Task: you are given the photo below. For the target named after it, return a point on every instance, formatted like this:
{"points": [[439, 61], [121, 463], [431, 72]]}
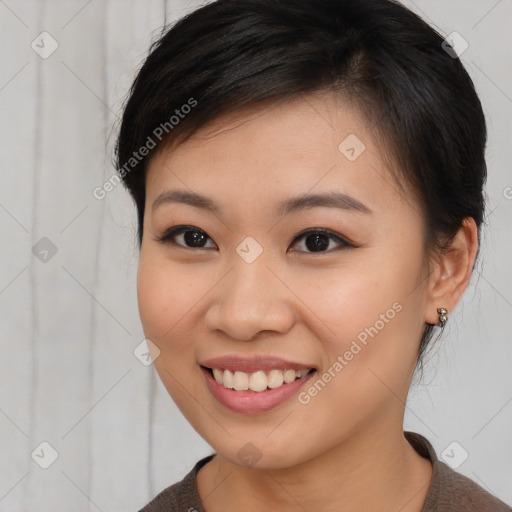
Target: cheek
{"points": [[368, 312], [155, 299], [371, 331], [165, 294], [350, 299]]}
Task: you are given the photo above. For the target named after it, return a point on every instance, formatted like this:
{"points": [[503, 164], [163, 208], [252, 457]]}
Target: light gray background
{"points": [[69, 325]]}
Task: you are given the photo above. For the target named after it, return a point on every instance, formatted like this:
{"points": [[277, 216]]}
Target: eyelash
{"points": [[167, 238]]}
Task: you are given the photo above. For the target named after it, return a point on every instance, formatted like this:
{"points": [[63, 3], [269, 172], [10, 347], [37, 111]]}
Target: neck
{"points": [[375, 470]]}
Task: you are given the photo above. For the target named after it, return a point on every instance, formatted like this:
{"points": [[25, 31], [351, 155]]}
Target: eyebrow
{"points": [[185, 197], [330, 199]]}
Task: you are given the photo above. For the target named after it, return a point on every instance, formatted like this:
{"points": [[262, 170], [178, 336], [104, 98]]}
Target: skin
{"points": [[345, 449]]}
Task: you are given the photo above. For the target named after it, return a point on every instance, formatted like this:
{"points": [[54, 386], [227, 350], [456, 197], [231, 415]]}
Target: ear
{"points": [[451, 271]]}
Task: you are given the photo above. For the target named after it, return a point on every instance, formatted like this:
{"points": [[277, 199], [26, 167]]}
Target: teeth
{"points": [[289, 376], [241, 381], [275, 379], [218, 375], [227, 379], [257, 381]]}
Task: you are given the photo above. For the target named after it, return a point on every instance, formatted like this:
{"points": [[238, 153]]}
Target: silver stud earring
{"points": [[442, 317]]}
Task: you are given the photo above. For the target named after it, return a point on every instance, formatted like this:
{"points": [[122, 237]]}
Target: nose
{"points": [[252, 299]]}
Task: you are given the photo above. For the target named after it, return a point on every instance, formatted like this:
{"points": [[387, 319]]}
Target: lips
{"points": [[248, 401]]}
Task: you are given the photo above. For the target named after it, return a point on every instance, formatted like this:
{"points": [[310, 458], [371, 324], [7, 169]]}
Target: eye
{"points": [[319, 240], [312, 240], [186, 236]]}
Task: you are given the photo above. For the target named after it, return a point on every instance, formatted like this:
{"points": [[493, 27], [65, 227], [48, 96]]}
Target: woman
{"points": [[308, 178]]}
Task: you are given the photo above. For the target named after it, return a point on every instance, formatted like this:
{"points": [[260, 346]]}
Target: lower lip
{"points": [[252, 402]]}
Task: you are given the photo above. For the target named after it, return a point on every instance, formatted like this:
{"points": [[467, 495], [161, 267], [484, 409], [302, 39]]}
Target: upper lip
{"points": [[253, 364]]}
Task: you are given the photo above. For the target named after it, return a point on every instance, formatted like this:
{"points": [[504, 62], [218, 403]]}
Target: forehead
{"points": [[305, 124], [279, 149]]}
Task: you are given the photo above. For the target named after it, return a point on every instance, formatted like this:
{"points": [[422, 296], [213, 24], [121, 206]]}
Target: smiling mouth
{"points": [[258, 381]]}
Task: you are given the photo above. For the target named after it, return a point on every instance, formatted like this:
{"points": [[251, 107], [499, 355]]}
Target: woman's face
{"points": [[241, 286]]}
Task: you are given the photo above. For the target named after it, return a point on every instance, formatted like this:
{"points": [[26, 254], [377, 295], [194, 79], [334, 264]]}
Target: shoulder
{"points": [[450, 491], [181, 496]]}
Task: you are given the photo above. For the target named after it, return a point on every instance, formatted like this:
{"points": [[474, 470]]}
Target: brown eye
{"points": [[320, 240], [186, 236], [311, 241]]}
